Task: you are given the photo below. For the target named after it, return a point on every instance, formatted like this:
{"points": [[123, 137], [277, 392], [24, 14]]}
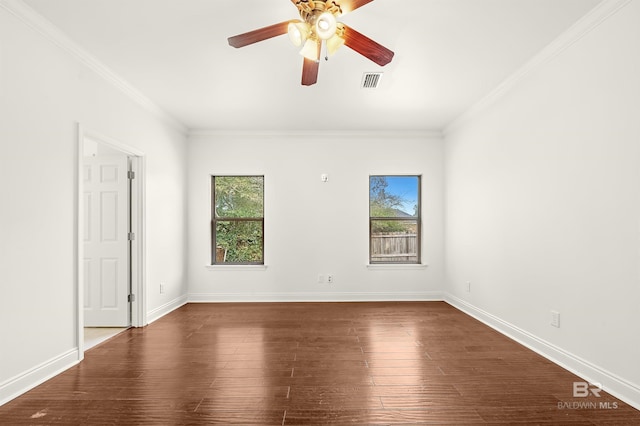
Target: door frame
{"points": [[137, 252]]}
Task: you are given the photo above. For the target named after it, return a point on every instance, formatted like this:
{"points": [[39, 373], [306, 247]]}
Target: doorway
{"points": [[110, 236], [106, 236]]}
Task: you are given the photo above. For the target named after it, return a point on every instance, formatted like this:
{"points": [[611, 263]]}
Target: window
{"points": [[237, 220], [394, 219]]}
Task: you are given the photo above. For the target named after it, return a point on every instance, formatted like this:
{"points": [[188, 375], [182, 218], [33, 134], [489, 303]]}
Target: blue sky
{"points": [[407, 188]]}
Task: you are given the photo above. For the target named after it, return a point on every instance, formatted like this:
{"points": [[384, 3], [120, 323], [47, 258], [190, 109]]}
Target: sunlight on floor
{"points": [[95, 335]]}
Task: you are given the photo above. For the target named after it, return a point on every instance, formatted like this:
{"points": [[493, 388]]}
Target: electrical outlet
{"points": [[320, 279], [555, 319], [329, 278], [468, 287], [162, 288]]}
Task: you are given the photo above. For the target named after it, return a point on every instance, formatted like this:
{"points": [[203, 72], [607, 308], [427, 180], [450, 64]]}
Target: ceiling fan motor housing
{"points": [[310, 10]]}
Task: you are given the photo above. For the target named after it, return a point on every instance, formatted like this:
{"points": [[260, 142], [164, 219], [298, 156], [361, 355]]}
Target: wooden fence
{"points": [[394, 247]]}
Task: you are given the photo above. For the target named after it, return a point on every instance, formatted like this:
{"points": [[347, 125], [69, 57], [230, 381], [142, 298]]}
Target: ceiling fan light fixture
{"points": [[311, 50], [333, 44], [298, 32], [326, 25], [318, 25]]}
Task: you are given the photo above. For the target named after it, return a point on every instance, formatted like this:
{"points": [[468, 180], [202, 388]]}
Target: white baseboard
{"points": [[160, 311], [315, 297], [37, 375], [614, 385]]}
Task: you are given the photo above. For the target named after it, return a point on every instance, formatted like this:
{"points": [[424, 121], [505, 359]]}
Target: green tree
{"points": [[240, 197], [382, 204]]}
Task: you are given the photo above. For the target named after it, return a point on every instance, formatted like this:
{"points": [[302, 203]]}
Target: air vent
{"points": [[371, 80]]}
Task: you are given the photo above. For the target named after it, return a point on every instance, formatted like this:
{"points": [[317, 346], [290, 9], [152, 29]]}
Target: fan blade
{"points": [[310, 72], [351, 5], [310, 66], [261, 34], [367, 47]]}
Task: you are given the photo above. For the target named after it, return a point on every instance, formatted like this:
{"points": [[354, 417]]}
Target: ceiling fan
{"points": [[319, 27]]}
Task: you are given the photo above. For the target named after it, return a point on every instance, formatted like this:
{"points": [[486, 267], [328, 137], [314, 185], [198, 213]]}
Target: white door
{"points": [[106, 241]]}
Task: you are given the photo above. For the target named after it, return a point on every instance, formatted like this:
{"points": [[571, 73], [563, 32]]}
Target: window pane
{"points": [[239, 241], [239, 196], [394, 241], [393, 196]]}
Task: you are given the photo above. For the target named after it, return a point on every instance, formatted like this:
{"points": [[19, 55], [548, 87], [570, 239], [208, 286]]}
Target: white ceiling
{"points": [[449, 54]]}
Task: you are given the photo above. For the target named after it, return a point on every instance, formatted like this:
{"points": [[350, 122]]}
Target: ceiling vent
{"points": [[371, 80]]}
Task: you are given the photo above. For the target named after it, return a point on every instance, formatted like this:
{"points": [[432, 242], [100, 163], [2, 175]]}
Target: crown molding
{"points": [[38, 23], [577, 31], [293, 134]]}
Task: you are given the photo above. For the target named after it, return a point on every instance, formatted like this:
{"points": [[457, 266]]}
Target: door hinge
{"points": [[131, 174], [131, 236], [131, 298]]}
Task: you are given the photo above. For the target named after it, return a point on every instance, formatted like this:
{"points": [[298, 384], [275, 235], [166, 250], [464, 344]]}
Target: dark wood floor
{"points": [[313, 363]]}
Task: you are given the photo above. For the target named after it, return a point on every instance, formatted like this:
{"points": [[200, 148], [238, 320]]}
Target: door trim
{"points": [[138, 250]]}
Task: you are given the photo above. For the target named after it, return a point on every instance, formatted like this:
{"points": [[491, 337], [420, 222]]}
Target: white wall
{"points": [[543, 206], [313, 227], [44, 93]]}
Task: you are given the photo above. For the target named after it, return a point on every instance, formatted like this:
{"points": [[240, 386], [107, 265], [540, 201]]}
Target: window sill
{"points": [[394, 267], [236, 267]]}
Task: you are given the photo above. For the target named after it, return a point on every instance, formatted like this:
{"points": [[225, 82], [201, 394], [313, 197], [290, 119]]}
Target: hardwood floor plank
{"points": [[265, 364], [425, 390], [454, 416], [313, 363], [265, 347], [242, 416], [411, 380], [323, 398], [330, 364], [398, 363], [223, 391], [250, 382], [419, 370], [240, 403], [339, 381], [268, 357], [253, 373]]}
